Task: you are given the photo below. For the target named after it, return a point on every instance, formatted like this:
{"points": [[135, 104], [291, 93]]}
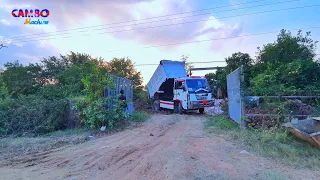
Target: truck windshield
{"points": [[198, 86]]}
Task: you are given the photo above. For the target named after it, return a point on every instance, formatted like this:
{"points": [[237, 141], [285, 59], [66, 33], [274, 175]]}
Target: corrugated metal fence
{"points": [[113, 93], [235, 100]]}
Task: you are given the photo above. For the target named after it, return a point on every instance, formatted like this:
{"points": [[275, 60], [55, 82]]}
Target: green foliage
{"points": [[238, 59], [52, 66], [95, 83], [31, 114], [53, 92], [139, 117], [142, 96], [282, 80], [220, 122], [20, 79], [31, 93], [94, 112], [124, 67], [284, 67], [288, 48], [233, 62], [211, 77], [4, 93], [274, 143]]}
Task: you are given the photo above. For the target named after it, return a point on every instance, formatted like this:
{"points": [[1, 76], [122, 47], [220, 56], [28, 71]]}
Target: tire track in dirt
{"points": [[178, 148]]}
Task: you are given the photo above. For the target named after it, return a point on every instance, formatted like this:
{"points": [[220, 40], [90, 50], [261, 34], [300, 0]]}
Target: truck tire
{"points": [[201, 110], [156, 105], [178, 108]]}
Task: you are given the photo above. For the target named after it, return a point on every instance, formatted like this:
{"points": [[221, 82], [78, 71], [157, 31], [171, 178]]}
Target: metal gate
{"points": [[235, 100], [113, 93]]}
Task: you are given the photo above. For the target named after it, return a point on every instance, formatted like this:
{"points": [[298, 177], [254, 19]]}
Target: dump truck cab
{"points": [[171, 88], [197, 92]]}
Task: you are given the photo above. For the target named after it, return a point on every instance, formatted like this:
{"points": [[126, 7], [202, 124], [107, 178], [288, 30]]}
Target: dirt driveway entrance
{"points": [[166, 147]]}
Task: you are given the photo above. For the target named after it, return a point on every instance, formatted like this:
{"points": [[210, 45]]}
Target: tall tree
{"points": [[124, 67], [238, 59], [188, 65], [286, 65], [21, 79], [233, 62], [288, 48]]}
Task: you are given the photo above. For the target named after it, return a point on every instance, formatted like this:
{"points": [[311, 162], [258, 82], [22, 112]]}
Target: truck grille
{"points": [[201, 96]]}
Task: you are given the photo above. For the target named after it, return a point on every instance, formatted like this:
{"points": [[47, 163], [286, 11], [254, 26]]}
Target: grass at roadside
{"points": [[277, 144], [139, 117], [12, 147]]}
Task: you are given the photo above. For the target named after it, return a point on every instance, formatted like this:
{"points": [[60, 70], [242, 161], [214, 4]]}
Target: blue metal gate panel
{"points": [[113, 93], [234, 95]]}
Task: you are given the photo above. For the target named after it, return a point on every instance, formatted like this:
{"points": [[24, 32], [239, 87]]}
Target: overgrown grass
{"points": [[277, 144], [139, 117], [274, 175], [14, 147], [69, 132]]}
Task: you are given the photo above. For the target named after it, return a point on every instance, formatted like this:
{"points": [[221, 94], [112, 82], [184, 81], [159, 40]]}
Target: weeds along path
{"points": [[166, 147]]}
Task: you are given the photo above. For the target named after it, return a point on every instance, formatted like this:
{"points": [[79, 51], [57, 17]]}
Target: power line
{"points": [[188, 62], [147, 18], [26, 37], [215, 39], [189, 22]]}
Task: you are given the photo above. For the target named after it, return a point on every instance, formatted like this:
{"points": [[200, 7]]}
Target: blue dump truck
{"points": [[171, 88]]}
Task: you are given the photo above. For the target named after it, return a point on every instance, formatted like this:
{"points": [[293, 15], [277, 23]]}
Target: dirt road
{"points": [[166, 147]]}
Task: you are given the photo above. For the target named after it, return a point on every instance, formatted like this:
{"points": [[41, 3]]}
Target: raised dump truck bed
{"points": [[167, 69]]}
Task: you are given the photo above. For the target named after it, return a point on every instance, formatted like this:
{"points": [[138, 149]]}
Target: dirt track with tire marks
{"points": [[166, 147]]}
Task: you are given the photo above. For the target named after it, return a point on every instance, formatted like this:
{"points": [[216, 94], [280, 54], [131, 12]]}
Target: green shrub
{"points": [[52, 92], [31, 114], [139, 117], [94, 114]]}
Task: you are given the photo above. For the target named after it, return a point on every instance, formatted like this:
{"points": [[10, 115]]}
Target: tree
{"points": [[52, 66], [188, 65], [211, 77], [21, 79], [69, 69], [288, 48], [286, 65], [233, 62], [238, 59], [124, 67]]}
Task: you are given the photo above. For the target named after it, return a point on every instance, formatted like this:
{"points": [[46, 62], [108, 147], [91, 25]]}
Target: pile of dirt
{"points": [[216, 109], [141, 106]]}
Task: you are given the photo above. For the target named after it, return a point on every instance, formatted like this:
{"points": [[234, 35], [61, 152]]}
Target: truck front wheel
{"points": [[201, 110], [178, 108]]}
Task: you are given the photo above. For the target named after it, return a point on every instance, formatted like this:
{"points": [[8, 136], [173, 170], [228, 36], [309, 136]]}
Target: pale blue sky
{"points": [[75, 14]]}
